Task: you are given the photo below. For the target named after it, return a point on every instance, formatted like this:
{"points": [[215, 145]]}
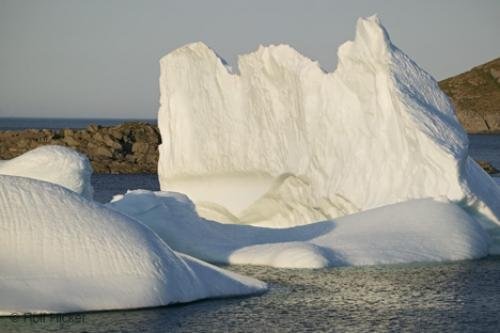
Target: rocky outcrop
{"points": [[488, 167], [126, 148], [476, 96]]}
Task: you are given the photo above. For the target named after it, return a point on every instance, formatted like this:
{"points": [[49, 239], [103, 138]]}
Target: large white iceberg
{"points": [[62, 253], [284, 143], [54, 164], [422, 230]]}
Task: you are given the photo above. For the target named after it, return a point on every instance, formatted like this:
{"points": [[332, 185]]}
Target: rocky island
{"points": [[126, 148]]}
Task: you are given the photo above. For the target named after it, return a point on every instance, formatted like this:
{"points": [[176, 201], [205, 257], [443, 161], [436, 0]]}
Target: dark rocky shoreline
{"points": [[126, 148]]}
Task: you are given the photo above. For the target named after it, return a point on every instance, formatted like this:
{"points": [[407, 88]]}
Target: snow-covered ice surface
{"points": [[283, 143], [54, 164], [414, 231], [63, 253]]}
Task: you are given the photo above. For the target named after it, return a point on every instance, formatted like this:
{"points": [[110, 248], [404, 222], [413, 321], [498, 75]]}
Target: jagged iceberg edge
{"points": [[284, 143], [62, 253], [423, 230], [54, 164]]}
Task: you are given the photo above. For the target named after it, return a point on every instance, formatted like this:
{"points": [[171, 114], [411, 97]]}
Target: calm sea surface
{"points": [[58, 123], [447, 297], [485, 147]]}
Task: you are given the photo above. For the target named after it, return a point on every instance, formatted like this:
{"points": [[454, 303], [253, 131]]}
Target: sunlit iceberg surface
{"points": [[283, 143]]}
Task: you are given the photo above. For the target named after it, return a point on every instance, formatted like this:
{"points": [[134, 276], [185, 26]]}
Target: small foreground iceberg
{"points": [[54, 164], [283, 143], [422, 230], [62, 253]]}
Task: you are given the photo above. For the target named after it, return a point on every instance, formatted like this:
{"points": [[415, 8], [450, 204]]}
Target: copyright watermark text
{"points": [[53, 318]]}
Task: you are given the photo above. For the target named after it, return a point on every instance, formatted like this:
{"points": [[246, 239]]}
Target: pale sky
{"points": [[99, 58]]}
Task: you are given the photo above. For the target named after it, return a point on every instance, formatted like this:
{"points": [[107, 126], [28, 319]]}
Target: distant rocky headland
{"points": [[476, 97], [126, 148]]}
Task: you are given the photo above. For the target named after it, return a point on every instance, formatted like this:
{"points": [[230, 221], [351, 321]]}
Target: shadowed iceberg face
{"points": [[284, 143], [413, 231]]}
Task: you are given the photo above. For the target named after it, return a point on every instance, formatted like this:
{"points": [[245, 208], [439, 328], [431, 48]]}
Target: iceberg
{"points": [[283, 143], [54, 164], [63, 253], [421, 230]]}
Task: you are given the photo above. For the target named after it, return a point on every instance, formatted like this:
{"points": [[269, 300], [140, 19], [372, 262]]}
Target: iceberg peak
{"points": [[371, 43], [198, 50], [371, 33]]}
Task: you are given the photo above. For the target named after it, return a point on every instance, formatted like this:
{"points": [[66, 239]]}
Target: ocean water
{"points": [[485, 147], [58, 123], [106, 186]]}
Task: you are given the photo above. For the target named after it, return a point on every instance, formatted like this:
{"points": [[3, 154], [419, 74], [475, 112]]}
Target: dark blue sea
{"points": [[441, 297], [58, 123]]}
